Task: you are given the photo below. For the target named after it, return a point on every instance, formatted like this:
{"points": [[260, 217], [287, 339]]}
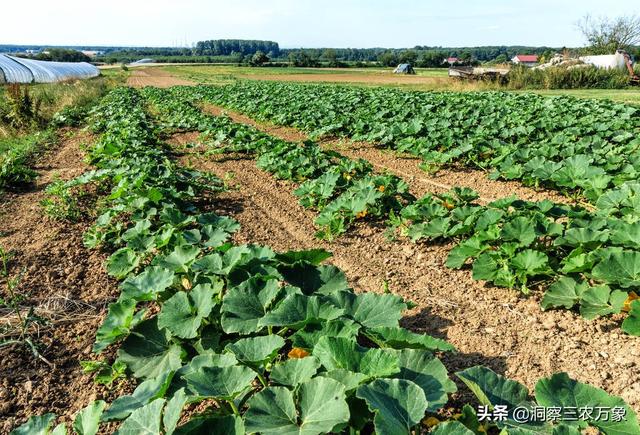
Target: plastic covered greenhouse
{"points": [[18, 70]]}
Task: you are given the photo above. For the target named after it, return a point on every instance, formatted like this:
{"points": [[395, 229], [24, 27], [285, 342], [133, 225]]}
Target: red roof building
{"points": [[526, 59]]}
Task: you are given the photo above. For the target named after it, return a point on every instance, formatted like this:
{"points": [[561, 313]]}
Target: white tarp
{"points": [[607, 61]]}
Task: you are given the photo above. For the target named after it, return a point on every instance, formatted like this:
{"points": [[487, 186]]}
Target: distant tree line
{"points": [[422, 56], [224, 47], [59, 55]]}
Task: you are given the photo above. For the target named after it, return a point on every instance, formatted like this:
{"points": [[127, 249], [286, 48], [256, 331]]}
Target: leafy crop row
{"points": [[585, 259], [590, 260], [579, 147], [263, 342], [340, 189]]}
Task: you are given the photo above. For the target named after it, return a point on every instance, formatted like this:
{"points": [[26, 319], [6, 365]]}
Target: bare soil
{"points": [[492, 326], [65, 284], [141, 77]]}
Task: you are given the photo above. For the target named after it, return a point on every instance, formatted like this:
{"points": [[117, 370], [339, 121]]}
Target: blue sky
{"points": [[295, 23]]}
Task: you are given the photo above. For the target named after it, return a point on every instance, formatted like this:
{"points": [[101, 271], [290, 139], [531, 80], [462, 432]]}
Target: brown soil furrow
{"points": [[488, 325], [405, 167], [68, 287], [154, 76]]}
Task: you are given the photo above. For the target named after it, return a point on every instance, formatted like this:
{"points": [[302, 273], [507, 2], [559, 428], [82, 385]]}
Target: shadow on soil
{"points": [[426, 322]]}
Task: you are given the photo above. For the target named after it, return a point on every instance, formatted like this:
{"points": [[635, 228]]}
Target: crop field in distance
{"points": [[426, 79]]}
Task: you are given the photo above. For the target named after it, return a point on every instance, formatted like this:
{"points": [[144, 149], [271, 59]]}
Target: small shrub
{"points": [[61, 203], [23, 110]]}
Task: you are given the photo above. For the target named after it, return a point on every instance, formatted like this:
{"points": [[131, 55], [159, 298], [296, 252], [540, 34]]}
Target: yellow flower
{"points": [[186, 283], [381, 188], [361, 214], [297, 353], [430, 421], [627, 304]]}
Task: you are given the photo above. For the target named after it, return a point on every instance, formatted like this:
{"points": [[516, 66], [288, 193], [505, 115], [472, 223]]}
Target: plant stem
{"points": [[262, 380], [233, 407]]}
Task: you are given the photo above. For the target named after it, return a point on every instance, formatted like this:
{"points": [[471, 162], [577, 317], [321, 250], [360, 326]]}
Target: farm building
{"points": [[451, 60], [525, 59], [404, 68], [18, 70]]}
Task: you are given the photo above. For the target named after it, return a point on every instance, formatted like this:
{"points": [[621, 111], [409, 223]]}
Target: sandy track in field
{"points": [[68, 286], [488, 325], [406, 167], [141, 77]]}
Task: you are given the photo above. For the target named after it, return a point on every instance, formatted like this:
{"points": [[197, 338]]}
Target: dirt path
{"points": [[141, 77], [406, 167], [67, 285], [488, 325]]}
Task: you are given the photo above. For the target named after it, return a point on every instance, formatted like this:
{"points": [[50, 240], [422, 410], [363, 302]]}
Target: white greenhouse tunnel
{"points": [[18, 70]]}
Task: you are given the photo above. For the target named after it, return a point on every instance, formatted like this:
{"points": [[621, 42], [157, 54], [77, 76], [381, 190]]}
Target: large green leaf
{"points": [[601, 301], [621, 268], [179, 260], [371, 309], [349, 379], [343, 353], [315, 279], [207, 359], [308, 337], [317, 407], [220, 382], [294, 371], [149, 351], [530, 262], [256, 350], [146, 286], [36, 425], [451, 428], [297, 310], [626, 234], [144, 393], [87, 420], [143, 421], [121, 262], [398, 404], [173, 410], [561, 391], [227, 425], [243, 306], [631, 324], [312, 256], [493, 389], [566, 292], [520, 229], [426, 371], [400, 338], [460, 254], [183, 313], [120, 319]]}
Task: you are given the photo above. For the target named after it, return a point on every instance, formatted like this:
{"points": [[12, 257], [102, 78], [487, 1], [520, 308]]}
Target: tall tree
{"points": [[605, 35]]}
